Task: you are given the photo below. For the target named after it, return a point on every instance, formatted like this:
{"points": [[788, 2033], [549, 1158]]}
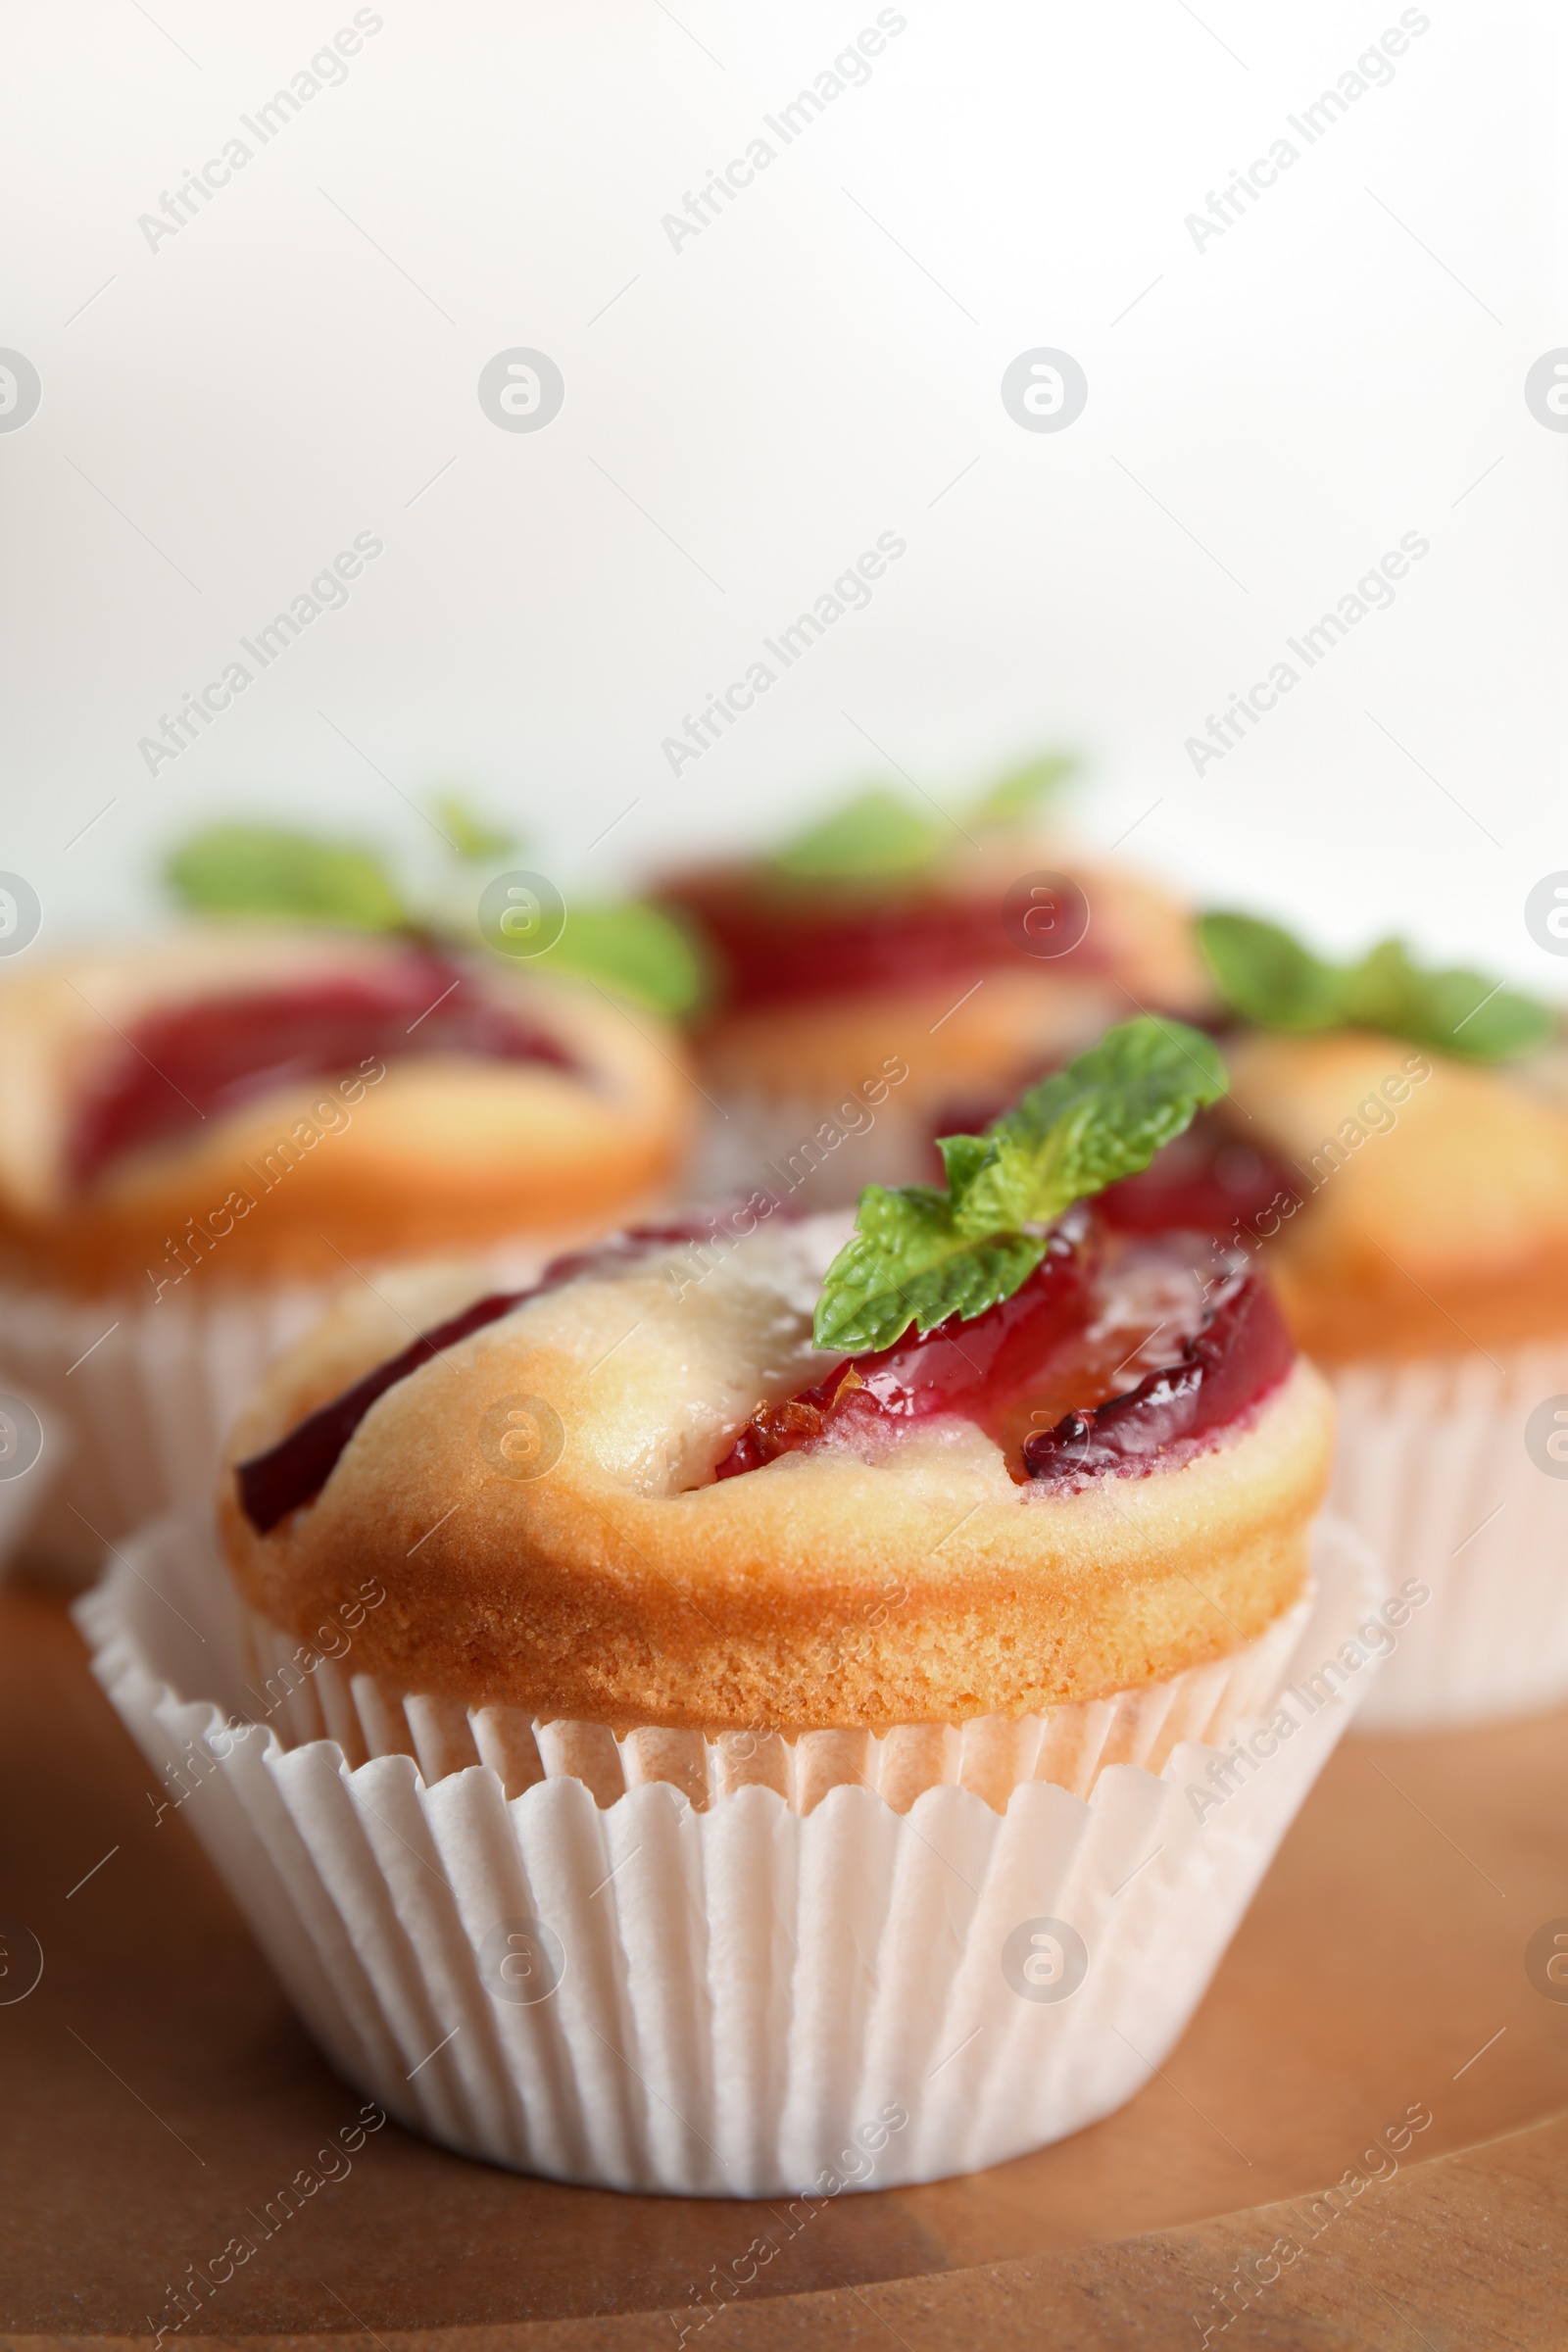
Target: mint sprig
{"points": [[1271, 979], [266, 872], [879, 838], [1021, 793], [638, 951], [919, 1254], [873, 837], [474, 838]]}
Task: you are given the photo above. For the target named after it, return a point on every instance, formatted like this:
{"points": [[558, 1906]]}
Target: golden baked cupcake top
{"points": [[247, 1099], [1406, 1135], [979, 1456], [337, 1064]]}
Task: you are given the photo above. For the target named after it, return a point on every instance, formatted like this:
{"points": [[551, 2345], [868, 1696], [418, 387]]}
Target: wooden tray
{"points": [[154, 2091]]}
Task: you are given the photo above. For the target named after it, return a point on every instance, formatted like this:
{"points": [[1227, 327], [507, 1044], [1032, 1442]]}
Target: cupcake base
{"points": [[742, 1998], [1433, 1468], [1069, 1746]]}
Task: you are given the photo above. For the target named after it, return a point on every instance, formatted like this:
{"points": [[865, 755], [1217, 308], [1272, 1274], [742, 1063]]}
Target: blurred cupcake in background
{"points": [[896, 962], [209, 1131], [1396, 1140]]}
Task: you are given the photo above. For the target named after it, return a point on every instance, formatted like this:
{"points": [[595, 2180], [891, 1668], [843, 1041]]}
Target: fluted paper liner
{"points": [[147, 1391], [1432, 1468], [1070, 1745], [737, 1999], [144, 1393], [23, 1494]]}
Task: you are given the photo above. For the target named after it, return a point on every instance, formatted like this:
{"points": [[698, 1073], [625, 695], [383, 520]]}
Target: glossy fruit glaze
{"points": [[1240, 1352], [1118, 1354], [1209, 1180], [183, 1064], [780, 946]]}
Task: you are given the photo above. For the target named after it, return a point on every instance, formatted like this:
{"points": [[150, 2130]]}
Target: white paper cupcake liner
{"points": [[27, 1477], [739, 2000], [1433, 1469], [144, 1395], [146, 1392]]}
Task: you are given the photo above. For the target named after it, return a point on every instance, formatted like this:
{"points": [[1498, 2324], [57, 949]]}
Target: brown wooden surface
{"points": [[154, 2088]]}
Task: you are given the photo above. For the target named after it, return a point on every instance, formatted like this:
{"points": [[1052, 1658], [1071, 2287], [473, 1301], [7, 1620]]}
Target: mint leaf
{"points": [[908, 1263], [876, 838], [634, 949], [265, 872], [476, 843], [1021, 793], [1496, 1028], [962, 1157], [919, 1254], [1103, 1116], [1269, 978], [1454, 1011]]}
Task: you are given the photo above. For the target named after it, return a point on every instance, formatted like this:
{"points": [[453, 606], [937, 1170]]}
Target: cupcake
{"points": [[774, 1705], [208, 1132], [891, 964], [1401, 1140]]}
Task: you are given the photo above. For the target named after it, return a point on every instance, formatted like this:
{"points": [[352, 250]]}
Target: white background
{"points": [[820, 364]]}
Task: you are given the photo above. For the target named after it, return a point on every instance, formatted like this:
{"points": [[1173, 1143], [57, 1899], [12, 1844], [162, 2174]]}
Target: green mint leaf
{"points": [[1269, 977], [962, 1158], [1003, 1193], [918, 1255], [1103, 1116], [476, 842], [1023, 790], [876, 838], [634, 949], [908, 1263], [1454, 1011], [266, 872], [1500, 1028]]}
